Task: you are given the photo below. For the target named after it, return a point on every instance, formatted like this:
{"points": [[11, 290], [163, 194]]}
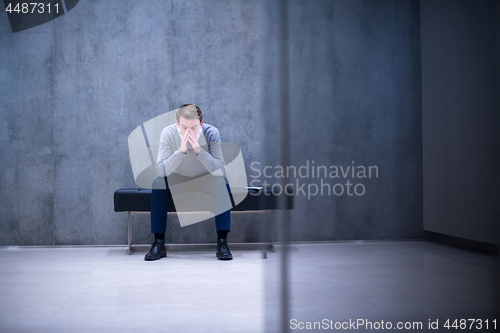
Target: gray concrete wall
{"points": [[460, 75], [73, 89], [355, 95]]}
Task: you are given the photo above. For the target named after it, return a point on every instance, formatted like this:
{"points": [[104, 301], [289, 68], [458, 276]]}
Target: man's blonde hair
{"points": [[189, 111]]}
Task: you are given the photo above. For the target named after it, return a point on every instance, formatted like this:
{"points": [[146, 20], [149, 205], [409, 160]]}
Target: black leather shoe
{"points": [[223, 252], [157, 251]]}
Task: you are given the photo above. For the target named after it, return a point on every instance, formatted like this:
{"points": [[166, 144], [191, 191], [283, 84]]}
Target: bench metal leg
{"points": [[129, 222], [272, 232], [271, 242]]}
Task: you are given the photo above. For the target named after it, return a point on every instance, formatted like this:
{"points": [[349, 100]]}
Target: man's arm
{"points": [[168, 160], [214, 162]]}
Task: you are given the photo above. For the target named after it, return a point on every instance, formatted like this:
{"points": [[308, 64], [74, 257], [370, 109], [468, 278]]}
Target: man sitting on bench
{"points": [[181, 159]]}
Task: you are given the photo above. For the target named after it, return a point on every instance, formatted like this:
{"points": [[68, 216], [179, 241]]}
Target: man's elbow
{"points": [[158, 174], [160, 171], [219, 165]]}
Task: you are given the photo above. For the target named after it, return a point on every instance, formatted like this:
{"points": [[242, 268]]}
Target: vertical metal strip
{"points": [[284, 159]]}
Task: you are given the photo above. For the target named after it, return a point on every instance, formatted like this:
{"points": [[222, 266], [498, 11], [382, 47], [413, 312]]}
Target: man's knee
{"points": [[159, 184]]}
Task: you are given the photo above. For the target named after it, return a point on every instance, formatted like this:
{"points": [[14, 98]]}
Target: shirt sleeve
{"points": [[213, 161], [168, 159]]}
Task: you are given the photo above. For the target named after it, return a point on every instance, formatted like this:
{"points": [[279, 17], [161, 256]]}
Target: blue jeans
{"points": [[159, 207]]}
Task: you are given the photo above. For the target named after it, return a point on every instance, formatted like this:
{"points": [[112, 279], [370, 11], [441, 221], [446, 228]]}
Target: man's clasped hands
{"points": [[190, 137]]}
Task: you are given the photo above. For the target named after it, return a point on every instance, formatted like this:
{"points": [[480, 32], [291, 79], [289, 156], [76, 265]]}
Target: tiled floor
{"points": [[101, 289]]}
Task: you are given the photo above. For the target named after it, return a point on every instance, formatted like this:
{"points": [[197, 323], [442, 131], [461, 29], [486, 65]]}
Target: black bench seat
{"points": [[138, 200]]}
